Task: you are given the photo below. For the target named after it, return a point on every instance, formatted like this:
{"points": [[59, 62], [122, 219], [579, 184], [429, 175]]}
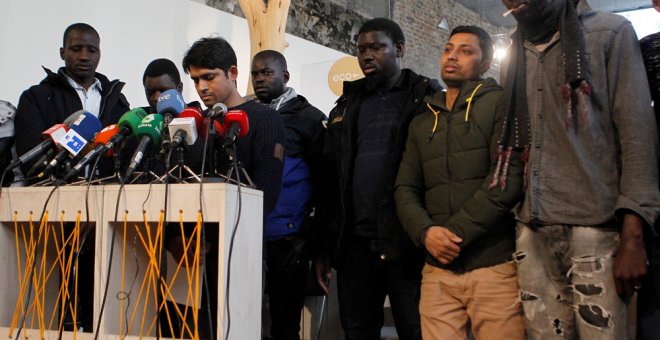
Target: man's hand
{"points": [[630, 262], [323, 273], [442, 244], [176, 247]]}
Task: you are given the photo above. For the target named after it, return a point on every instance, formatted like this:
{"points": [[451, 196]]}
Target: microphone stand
{"points": [[52, 179], [232, 158], [211, 150], [181, 167], [149, 163], [116, 174]]}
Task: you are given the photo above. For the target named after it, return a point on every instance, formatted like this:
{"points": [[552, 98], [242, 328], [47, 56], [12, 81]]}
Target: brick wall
{"points": [[334, 23]]}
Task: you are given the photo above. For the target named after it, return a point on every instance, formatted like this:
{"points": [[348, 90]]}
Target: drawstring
{"points": [[277, 108], [435, 124], [467, 113], [469, 102]]}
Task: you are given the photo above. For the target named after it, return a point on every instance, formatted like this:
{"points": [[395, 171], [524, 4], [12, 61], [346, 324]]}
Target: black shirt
{"points": [[376, 127]]}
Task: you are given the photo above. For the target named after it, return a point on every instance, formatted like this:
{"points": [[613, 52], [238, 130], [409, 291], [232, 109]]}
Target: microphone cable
{"points": [[162, 255], [205, 282], [2, 180], [233, 236], [112, 249]]}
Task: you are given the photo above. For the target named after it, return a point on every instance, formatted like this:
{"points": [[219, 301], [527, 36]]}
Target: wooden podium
{"points": [[139, 205]]}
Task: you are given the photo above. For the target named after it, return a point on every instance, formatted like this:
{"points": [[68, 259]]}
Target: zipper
{"points": [[447, 150], [105, 99]]}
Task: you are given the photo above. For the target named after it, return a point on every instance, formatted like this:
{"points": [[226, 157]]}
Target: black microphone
{"points": [[217, 110]]}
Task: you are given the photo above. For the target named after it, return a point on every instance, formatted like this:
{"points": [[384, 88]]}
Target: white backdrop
{"points": [[134, 32]]}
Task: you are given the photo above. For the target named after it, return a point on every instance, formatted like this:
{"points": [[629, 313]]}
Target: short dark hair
{"points": [[389, 27], [272, 55], [211, 52], [162, 66], [82, 27], [485, 42]]}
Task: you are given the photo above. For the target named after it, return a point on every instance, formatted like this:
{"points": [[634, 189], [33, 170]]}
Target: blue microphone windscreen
{"points": [[170, 102], [86, 125]]}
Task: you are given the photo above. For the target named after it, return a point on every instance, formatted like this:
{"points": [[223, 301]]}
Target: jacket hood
{"points": [[294, 106], [284, 98], [470, 89]]}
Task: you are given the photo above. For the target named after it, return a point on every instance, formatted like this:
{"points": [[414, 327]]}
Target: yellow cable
{"points": [[76, 230], [147, 279], [42, 289], [14, 318], [60, 292], [142, 285], [197, 257], [69, 264]]}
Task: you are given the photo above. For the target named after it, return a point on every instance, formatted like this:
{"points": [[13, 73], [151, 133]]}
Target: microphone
{"points": [[149, 129], [83, 128], [127, 125], [218, 109], [169, 105], [236, 124], [103, 141], [52, 136], [186, 127]]}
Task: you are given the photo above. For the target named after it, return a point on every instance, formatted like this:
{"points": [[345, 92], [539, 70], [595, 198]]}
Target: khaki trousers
{"points": [[485, 298]]}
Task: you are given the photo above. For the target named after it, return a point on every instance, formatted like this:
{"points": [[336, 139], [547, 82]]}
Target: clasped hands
{"points": [[442, 244]]}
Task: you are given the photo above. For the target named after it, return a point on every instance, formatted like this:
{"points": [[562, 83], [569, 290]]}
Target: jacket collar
{"points": [[60, 78], [361, 85], [470, 89]]}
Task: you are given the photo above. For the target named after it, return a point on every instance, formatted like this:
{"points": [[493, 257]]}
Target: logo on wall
{"points": [[344, 69]]}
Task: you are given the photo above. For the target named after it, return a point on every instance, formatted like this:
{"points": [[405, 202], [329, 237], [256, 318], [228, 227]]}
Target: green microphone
{"points": [[129, 122], [149, 131]]}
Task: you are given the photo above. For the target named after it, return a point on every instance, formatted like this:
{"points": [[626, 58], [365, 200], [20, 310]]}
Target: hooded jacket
{"points": [[446, 171], [302, 178]]}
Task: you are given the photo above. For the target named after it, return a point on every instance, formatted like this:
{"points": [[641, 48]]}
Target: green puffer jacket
{"points": [[446, 171]]}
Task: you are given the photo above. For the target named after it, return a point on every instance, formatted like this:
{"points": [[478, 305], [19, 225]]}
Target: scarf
{"points": [[516, 133]]}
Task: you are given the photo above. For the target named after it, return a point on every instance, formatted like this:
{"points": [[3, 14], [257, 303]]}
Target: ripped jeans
{"points": [[566, 282]]}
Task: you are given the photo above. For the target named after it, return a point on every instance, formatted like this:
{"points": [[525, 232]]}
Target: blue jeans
{"points": [[567, 284], [363, 281]]}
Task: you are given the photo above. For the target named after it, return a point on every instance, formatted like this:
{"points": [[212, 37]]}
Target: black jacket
{"points": [[340, 146], [53, 100]]}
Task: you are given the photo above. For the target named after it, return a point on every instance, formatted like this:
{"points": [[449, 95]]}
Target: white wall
{"points": [[132, 34]]}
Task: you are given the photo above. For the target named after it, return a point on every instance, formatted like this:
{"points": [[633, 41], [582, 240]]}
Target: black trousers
{"points": [[285, 286], [363, 281], [648, 314]]}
